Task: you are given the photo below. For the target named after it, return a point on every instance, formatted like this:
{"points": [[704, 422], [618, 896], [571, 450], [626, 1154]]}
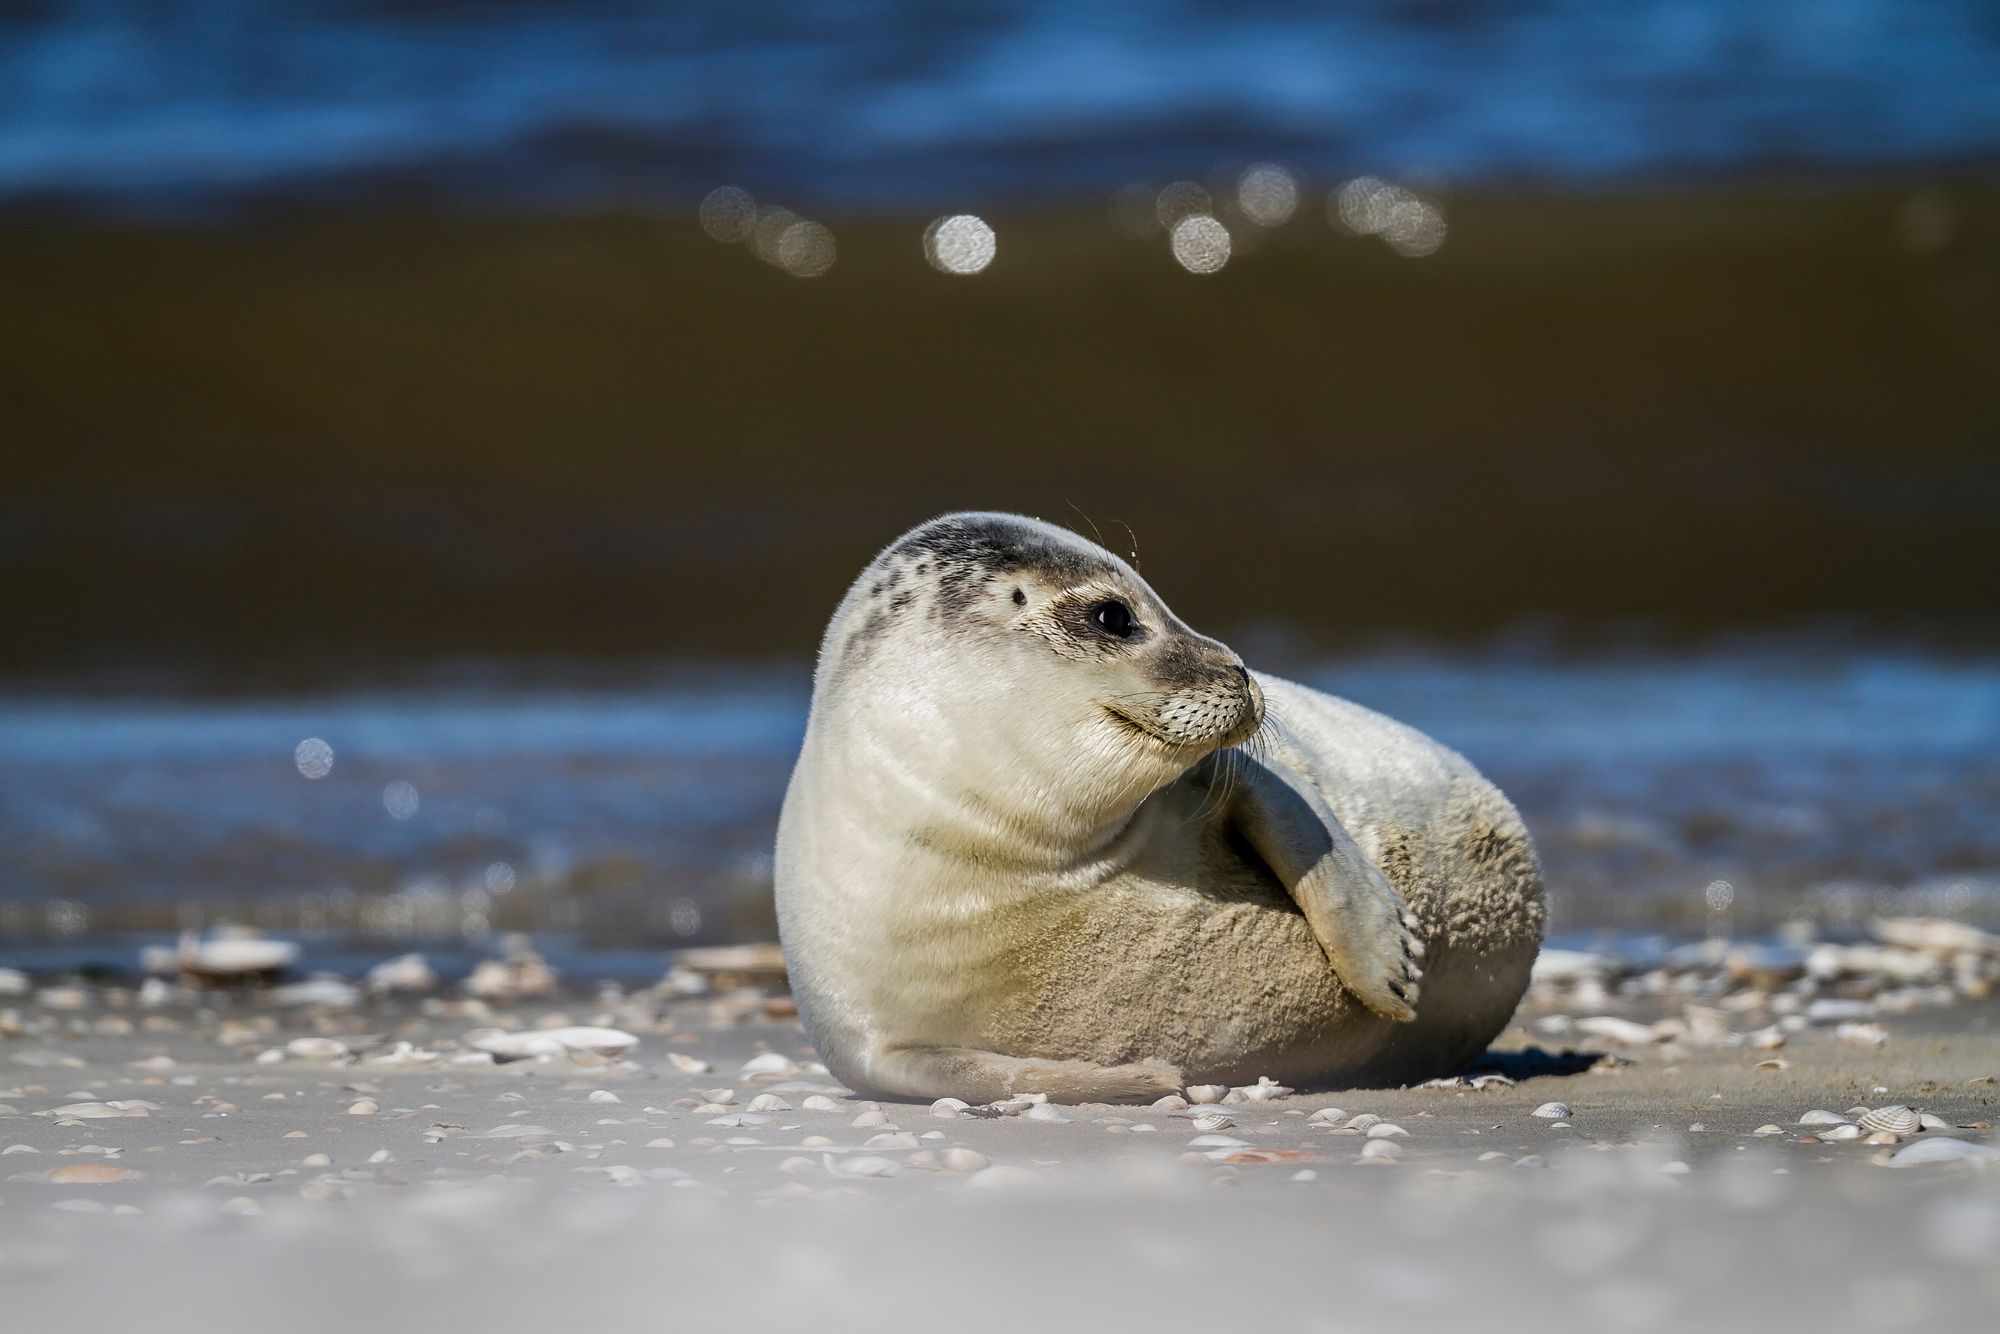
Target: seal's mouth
{"points": [[1200, 720]]}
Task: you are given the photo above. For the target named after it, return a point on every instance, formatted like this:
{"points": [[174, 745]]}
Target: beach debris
{"points": [[403, 974], [13, 982], [724, 967], [1207, 1093], [1862, 1035], [1896, 1119], [324, 990], [1611, 1028], [593, 1041], [688, 1065], [1936, 935], [316, 1049], [1264, 1090], [1553, 1111], [94, 1110], [519, 974]]}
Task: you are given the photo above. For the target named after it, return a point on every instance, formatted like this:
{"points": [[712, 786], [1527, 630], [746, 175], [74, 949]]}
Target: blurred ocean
{"points": [[833, 103], [1724, 790]]}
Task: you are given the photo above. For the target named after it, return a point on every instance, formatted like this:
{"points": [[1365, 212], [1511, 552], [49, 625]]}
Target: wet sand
{"points": [[445, 1186]]}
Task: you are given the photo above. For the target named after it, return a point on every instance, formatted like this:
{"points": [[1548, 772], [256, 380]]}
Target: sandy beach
{"points": [[1639, 1161]]}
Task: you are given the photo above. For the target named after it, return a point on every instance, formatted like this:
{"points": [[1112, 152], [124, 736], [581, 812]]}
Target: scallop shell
{"points": [[1207, 1092], [1327, 1116], [1896, 1119], [1386, 1130], [1819, 1117], [819, 1102], [1363, 1120], [1213, 1121], [949, 1108], [1553, 1111], [768, 1102]]}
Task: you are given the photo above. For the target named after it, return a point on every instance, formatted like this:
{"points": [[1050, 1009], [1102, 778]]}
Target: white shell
{"points": [[819, 1102], [603, 1095], [556, 1042], [949, 1108], [1844, 1131], [1553, 1111], [1207, 1092], [1327, 1116], [1931, 1121], [1212, 1121], [1043, 1111], [963, 1160], [1896, 1119], [769, 1063], [1768, 1129], [688, 1065], [1173, 1102], [1386, 1130], [1265, 1089], [316, 1049], [767, 1102], [1381, 1149], [1819, 1117], [1942, 1149], [1363, 1120], [869, 1121], [864, 1165]]}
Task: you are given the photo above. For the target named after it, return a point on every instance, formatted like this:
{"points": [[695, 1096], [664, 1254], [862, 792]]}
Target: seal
{"points": [[1044, 837]]}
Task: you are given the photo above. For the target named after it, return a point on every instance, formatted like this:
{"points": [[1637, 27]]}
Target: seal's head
{"points": [[1045, 687]]}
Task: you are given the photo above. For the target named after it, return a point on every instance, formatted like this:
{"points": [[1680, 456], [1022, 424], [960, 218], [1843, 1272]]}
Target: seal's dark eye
{"points": [[1114, 618]]}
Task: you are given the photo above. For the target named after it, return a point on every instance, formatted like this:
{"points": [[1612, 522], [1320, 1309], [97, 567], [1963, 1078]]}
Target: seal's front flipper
{"points": [[986, 1076], [1359, 918]]}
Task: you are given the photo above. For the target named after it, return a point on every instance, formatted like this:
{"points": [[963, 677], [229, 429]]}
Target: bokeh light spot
{"points": [[728, 213], [1268, 194], [1182, 199], [1200, 243], [962, 244], [805, 249], [400, 800], [313, 757]]}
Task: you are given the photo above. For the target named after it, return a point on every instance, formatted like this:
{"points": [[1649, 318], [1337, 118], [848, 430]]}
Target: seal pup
{"points": [[1044, 837]]}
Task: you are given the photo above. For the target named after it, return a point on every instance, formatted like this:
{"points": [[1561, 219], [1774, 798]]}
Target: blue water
{"points": [[1827, 780], [830, 103]]}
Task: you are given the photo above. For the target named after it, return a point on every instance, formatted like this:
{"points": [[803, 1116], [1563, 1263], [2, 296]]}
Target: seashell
{"points": [[405, 972], [1234, 1098], [869, 1121], [1494, 1156], [1530, 1160], [555, 1042], [740, 1120], [724, 1096], [949, 1108], [1942, 1149], [1173, 1102], [770, 1063], [363, 1107], [316, 1049], [1363, 1120], [863, 1165], [767, 1102], [963, 1160], [1930, 1122], [1862, 1035], [1217, 1142], [664, 1143], [1768, 1129], [1884, 1137], [603, 1095], [1896, 1119], [1207, 1092], [1386, 1130], [819, 1102], [1381, 1150], [1622, 1031], [94, 1111], [1212, 1121], [90, 1174], [688, 1065], [1553, 1111], [1768, 1039], [1043, 1111], [1844, 1131], [1327, 1116], [1818, 1117], [1491, 1081], [1859, 1110]]}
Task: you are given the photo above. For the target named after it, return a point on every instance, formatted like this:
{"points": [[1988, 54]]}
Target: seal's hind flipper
{"points": [[1360, 920]]}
